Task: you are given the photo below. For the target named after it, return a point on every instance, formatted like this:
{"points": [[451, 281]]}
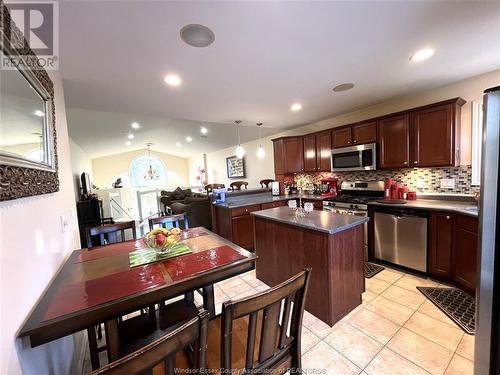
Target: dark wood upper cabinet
{"points": [[440, 243], [279, 156], [342, 137], [465, 254], [394, 141], [324, 151], [364, 133], [310, 153], [294, 154], [434, 136]]}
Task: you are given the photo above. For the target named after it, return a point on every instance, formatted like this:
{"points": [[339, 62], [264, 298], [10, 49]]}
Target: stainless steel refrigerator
{"points": [[487, 348]]}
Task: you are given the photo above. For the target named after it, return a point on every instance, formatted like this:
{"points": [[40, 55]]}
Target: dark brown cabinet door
{"points": [[243, 231], [432, 137], [279, 156], [394, 141], [342, 137], [310, 153], [324, 151], [364, 133], [465, 252], [440, 244], [294, 155]]}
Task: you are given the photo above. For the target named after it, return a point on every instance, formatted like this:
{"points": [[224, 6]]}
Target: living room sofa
{"points": [[195, 205]]}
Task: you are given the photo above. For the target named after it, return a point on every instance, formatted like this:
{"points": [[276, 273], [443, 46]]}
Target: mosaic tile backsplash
{"points": [[408, 176]]}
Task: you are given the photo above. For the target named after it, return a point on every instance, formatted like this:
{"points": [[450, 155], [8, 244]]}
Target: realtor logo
{"points": [[38, 21]]}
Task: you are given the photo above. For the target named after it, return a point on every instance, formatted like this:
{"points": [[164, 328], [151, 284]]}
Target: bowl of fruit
{"points": [[162, 240]]}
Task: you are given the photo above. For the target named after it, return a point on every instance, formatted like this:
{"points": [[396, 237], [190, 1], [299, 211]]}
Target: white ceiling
{"points": [[266, 56]]}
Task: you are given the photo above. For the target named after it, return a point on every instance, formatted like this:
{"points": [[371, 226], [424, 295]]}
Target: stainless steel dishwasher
{"points": [[401, 237]]}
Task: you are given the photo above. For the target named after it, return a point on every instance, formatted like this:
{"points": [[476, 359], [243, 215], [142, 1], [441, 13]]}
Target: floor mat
{"points": [[371, 269], [456, 304]]}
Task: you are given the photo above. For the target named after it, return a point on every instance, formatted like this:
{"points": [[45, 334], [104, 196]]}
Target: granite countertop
{"points": [[250, 199], [321, 221], [467, 208]]}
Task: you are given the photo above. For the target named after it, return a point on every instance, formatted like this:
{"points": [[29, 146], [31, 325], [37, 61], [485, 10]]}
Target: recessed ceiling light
{"points": [[130, 136], [343, 87], [39, 113], [197, 35], [172, 80], [128, 143], [178, 144], [189, 139], [296, 107], [203, 130], [135, 125], [422, 55]]}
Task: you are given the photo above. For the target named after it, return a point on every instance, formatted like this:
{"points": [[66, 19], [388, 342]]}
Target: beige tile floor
{"points": [[395, 331]]}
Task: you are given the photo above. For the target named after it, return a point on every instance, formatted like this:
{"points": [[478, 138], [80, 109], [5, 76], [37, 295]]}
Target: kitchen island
{"points": [[331, 244]]}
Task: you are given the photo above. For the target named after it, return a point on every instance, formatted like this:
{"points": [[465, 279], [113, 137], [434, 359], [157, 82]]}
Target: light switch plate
{"points": [[447, 183], [64, 223]]}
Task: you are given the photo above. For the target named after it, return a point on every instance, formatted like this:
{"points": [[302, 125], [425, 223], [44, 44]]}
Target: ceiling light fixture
{"points": [[128, 143], [189, 139], [203, 130], [178, 144], [39, 113], [130, 136], [151, 174], [172, 80], [422, 54], [240, 151], [197, 35], [135, 125], [343, 87], [260, 150], [296, 107]]}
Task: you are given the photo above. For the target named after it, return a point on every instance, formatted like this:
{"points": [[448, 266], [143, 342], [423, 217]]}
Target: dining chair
{"points": [[164, 349], [109, 233], [265, 183], [210, 187], [169, 220], [236, 185]]}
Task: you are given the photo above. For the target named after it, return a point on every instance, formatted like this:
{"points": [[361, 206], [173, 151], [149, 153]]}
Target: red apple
{"points": [[160, 239]]}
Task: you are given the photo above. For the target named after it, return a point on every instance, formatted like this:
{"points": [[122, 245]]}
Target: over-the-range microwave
{"points": [[355, 158]]}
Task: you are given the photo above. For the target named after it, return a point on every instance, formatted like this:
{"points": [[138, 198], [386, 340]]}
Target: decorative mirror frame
{"points": [[20, 177]]}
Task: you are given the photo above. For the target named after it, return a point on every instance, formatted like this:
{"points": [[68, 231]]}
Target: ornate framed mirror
{"points": [[28, 152]]}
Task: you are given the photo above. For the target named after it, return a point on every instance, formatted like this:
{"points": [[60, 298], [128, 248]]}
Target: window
{"points": [[477, 140], [139, 172]]}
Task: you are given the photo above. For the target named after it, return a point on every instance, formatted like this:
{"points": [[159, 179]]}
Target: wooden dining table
{"points": [[99, 285]]}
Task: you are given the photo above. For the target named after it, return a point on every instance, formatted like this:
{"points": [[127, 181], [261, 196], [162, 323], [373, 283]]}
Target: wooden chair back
{"points": [[265, 183], [211, 187], [277, 349], [164, 350], [173, 220], [108, 233], [236, 185]]}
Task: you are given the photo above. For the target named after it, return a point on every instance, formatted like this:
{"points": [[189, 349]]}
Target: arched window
{"points": [[147, 171]]}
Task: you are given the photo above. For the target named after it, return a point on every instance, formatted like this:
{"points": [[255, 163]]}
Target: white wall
{"points": [[80, 162], [32, 248], [469, 89]]}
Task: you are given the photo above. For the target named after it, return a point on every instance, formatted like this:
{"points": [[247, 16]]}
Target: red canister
{"points": [[411, 196], [387, 188], [402, 192]]}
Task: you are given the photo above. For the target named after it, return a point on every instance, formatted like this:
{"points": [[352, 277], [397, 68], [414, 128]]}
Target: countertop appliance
{"points": [[487, 350], [328, 187], [275, 187], [353, 200], [401, 237], [294, 189], [355, 158]]}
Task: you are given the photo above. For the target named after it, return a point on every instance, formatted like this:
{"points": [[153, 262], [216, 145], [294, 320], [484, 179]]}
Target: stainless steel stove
{"points": [[354, 199]]}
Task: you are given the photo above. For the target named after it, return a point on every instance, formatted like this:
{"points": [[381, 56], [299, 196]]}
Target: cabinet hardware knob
{"points": [[415, 162], [355, 141], [405, 162], [447, 217]]}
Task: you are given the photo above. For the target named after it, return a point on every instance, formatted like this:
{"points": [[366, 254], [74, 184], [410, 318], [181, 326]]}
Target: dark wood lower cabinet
{"points": [[242, 231], [453, 249], [465, 255]]}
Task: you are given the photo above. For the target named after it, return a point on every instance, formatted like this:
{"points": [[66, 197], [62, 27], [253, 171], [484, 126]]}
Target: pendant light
{"points": [[261, 154], [240, 152], [151, 174]]}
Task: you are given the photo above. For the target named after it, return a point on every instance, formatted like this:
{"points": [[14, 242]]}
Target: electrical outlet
{"points": [[420, 184], [447, 183]]}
